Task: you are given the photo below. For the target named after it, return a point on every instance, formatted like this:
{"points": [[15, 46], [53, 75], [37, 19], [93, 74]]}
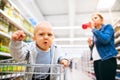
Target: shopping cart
{"points": [[10, 70]]}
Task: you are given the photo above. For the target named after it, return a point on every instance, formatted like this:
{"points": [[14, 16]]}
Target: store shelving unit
{"points": [[4, 34], [6, 22], [8, 25], [117, 45], [15, 24], [117, 34], [4, 55]]}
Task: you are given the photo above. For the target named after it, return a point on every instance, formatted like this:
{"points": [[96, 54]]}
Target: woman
{"points": [[103, 49]]}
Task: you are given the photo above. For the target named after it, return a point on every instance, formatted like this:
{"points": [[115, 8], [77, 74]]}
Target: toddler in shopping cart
{"points": [[41, 50]]}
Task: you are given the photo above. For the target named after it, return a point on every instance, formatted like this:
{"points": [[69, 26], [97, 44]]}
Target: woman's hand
{"points": [[90, 42]]}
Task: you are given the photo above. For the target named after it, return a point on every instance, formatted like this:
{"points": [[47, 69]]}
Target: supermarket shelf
{"points": [[118, 75], [17, 25], [117, 33], [5, 54], [5, 34], [118, 70], [16, 8], [118, 48], [10, 76], [117, 40], [117, 78], [118, 55], [116, 22]]}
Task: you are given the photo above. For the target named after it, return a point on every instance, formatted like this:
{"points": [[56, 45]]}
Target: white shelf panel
{"points": [[5, 34], [10, 75], [117, 40], [118, 48], [5, 54]]}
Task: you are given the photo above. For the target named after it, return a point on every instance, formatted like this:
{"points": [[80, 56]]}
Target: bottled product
{"points": [[86, 25], [2, 4], [4, 44]]}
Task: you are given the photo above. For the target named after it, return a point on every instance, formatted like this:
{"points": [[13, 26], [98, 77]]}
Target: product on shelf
{"points": [[13, 13], [12, 29], [27, 26], [117, 35], [3, 24], [4, 44], [10, 21], [16, 16], [11, 68], [27, 38], [2, 4]]}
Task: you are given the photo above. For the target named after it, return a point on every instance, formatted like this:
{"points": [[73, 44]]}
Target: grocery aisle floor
{"points": [[76, 74]]}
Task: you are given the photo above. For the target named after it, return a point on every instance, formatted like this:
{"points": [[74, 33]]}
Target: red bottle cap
{"points": [[84, 26]]}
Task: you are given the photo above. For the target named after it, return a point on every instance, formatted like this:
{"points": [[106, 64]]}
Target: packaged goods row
{"points": [[10, 21], [12, 12]]}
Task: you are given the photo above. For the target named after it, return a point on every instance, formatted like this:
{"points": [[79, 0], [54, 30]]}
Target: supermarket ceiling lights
{"points": [[105, 4]]}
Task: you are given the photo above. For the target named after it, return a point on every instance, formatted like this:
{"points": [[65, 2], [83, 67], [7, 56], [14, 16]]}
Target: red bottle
{"points": [[86, 25]]}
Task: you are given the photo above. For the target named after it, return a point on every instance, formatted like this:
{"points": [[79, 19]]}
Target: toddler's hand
{"points": [[64, 62], [18, 36]]}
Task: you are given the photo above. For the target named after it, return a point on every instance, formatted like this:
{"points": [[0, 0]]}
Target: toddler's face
{"points": [[44, 37]]}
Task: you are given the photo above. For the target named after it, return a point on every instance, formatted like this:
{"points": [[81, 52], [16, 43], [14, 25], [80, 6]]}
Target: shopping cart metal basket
{"points": [[23, 71]]}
